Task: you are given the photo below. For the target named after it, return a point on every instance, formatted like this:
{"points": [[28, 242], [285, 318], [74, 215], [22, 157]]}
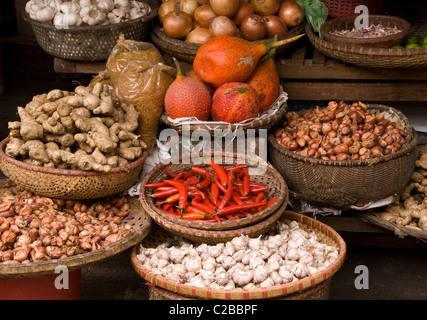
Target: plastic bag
{"points": [[144, 84], [127, 50], [316, 13]]}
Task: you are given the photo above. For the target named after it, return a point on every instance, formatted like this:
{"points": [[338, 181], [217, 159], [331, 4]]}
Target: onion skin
{"points": [[203, 14], [291, 13], [177, 24], [165, 8], [275, 25], [225, 7], [253, 27], [222, 26], [199, 35], [245, 9], [265, 7]]}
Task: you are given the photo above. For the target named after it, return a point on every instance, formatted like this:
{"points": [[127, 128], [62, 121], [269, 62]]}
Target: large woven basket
{"points": [[267, 120], [140, 222], [270, 177], [369, 57], [70, 184], [90, 43], [341, 184], [347, 23], [339, 8], [294, 290], [187, 51]]}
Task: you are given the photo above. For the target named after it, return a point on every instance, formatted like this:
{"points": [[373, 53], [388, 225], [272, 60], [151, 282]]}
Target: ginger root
{"points": [[87, 129]]}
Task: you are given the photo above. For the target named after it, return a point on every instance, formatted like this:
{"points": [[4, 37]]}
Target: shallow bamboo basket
{"points": [[271, 178], [341, 184], [70, 184], [140, 222], [316, 285]]}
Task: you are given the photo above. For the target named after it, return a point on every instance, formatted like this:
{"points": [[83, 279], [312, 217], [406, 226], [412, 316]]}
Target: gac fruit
{"points": [[187, 97], [234, 102]]}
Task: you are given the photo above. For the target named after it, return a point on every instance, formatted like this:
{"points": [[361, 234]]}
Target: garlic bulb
{"points": [[44, 13], [92, 16], [242, 277], [138, 9], [105, 5], [260, 273]]}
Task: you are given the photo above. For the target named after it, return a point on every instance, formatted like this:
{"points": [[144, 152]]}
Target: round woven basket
{"points": [[341, 184], [266, 120], [270, 177], [186, 51], [347, 23], [90, 43], [298, 287], [338, 8], [140, 222], [369, 57], [70, 184]]}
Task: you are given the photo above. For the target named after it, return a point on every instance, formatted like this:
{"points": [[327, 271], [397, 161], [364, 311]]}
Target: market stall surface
{"points": [[372, 269]]}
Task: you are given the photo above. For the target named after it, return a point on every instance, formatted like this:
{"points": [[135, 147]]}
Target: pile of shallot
{"points": [[289, 254], [36, 228], [340, 132]]}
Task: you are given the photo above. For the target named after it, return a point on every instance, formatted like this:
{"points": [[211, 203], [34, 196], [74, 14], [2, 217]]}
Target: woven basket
{"points": [[347, 23], [140, 222], [267, 120], [341, 184], [369, 57], [70, 184], [186, 51], [299, 287], [271, 178], [338, 8], [90, 43]]}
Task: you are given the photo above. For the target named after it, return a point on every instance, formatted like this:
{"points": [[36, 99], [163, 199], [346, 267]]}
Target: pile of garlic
{"points": [[69, 13], [292, 253]]}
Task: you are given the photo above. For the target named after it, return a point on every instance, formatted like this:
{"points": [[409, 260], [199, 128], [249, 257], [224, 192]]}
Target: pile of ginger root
{"points": [[410, 208], [85, 129]]}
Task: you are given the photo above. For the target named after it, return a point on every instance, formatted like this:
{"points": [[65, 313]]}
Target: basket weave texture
{"points": [[369, 57], [90, 43], [347, 23], [271, 178], [326, 234], [186, 51], [341, 184], [70, 184], [338, 8], [140, 222]]}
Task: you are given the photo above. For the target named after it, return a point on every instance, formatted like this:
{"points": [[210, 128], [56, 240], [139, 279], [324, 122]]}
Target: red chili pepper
{"points": [[214, 193], [193, 180], [246, 182], [228, 193], [271, 202], [178, 176], [170, 173], [183, 195], [195, 191], [155, 185], [260, 196], [236, 167], [239, 208], [171, 199], [163, 194], [204, 207], [220, 186], [220, 171], [207, 177], [258, 189], [236, 198]]}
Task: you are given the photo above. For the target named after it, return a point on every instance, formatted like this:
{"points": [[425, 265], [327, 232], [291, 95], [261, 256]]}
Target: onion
{"points": [[202, 2], [265, 7], [199, 35], [165, 8], [177, 24], [222, 26], [188, 6], [203, 15], [253, 27], [275, 25], [225, 7], [291, 12], [245, 9]]}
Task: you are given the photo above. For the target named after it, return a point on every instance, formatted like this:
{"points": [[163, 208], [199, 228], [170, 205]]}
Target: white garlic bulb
{"points": [[242, 277], [177, 255], [240, 242], [260, 273], [275, 276], [255, 243], [229, 249], [215, 251], [267, 283], [228, 262]]}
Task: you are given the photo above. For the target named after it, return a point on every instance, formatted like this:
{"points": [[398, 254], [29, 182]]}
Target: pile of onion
{"points": [[250, 19], [340, 132]]}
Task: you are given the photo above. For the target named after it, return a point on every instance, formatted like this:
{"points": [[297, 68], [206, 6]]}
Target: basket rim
{"points": [[409, 145], [154, 5], [70, 172], [363, 51], [34, 269], [354, 41], [214, 226], [256, 293]]}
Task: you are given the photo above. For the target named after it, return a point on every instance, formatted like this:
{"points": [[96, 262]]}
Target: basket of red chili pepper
{"points": [[213, 196]]}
